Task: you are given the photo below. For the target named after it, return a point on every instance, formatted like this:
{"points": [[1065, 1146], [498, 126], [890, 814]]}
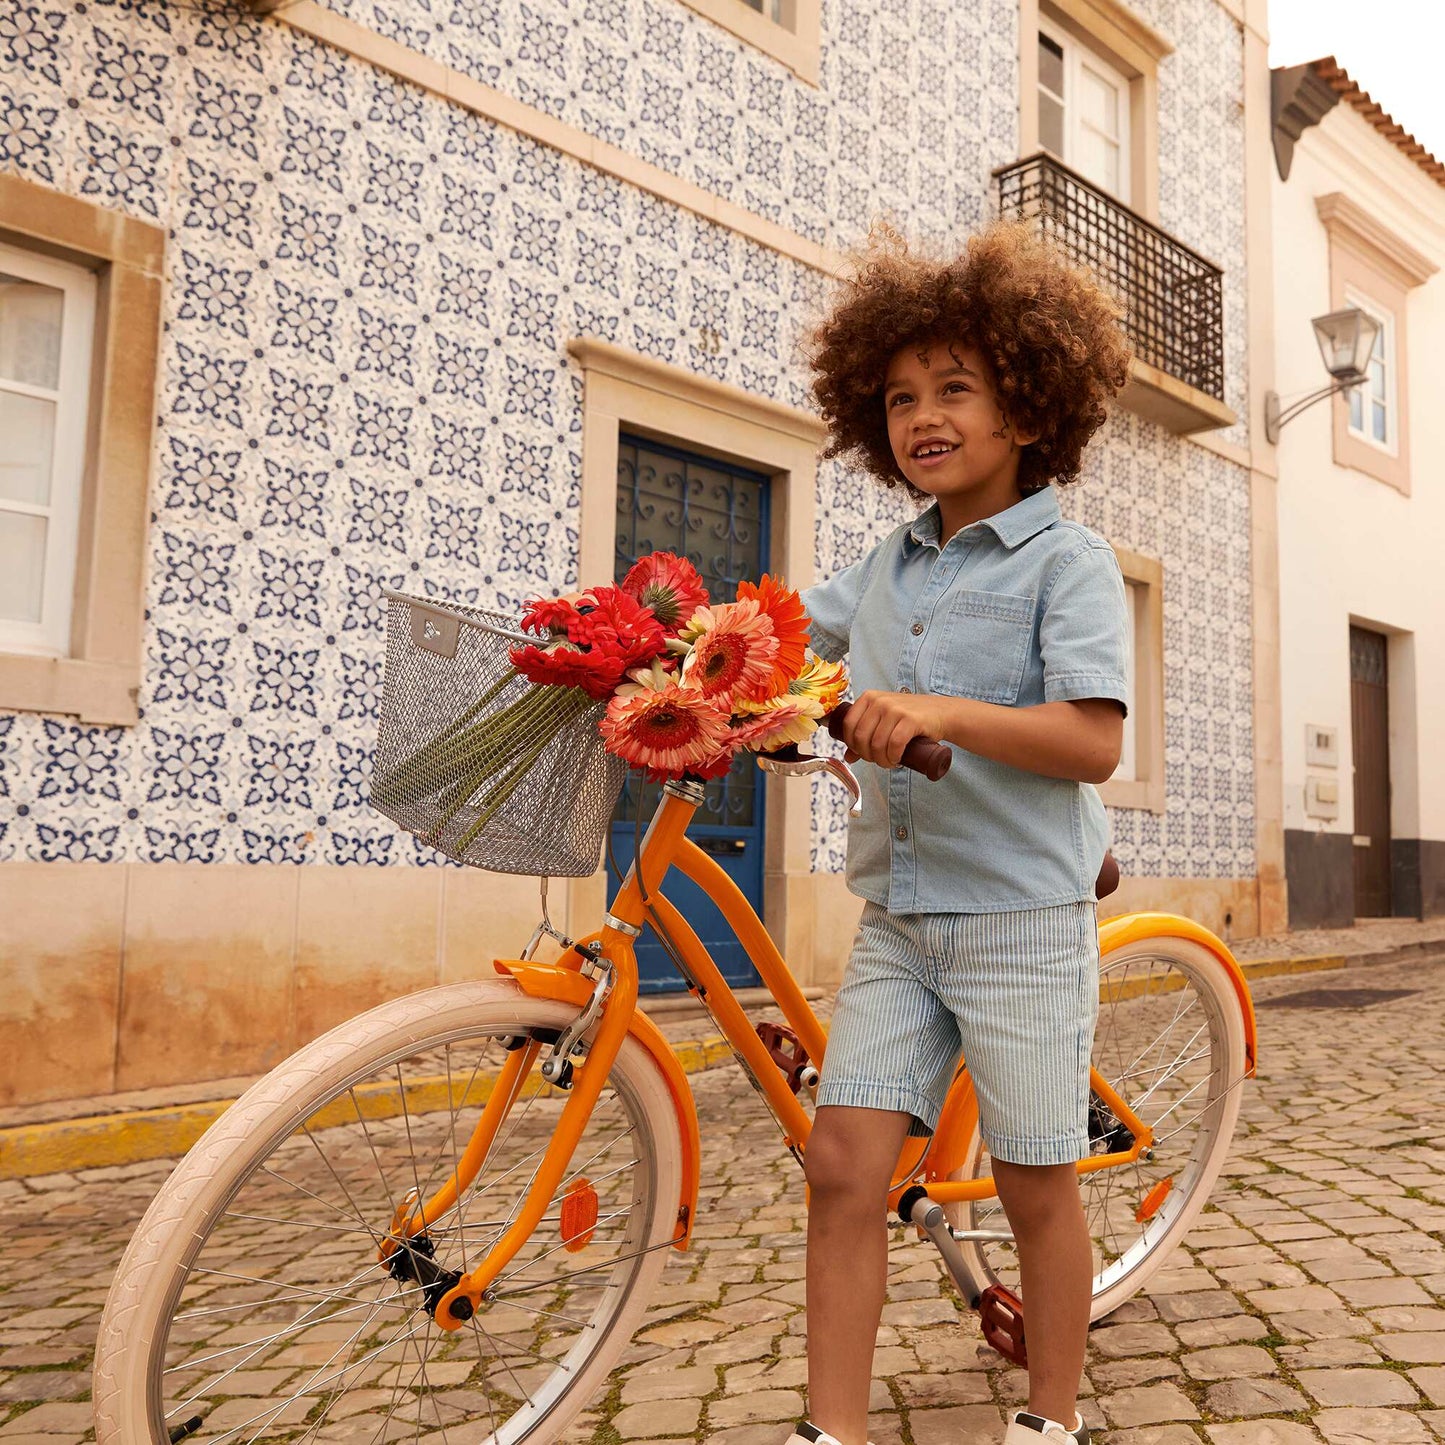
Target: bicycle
{"points": [[342, 1221]]}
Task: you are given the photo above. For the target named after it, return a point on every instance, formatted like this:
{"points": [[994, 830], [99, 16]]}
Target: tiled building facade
{"points": [[415, 265]]}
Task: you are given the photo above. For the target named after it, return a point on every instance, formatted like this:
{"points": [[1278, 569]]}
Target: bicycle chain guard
{"points": [[1002, 1314]]}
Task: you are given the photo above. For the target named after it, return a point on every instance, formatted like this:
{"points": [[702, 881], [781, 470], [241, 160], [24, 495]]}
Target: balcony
{"points": [[1173, 298]]}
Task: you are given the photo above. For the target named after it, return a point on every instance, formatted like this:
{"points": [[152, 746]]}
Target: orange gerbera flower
{"points": [[657, 724], [734, 652], [784, 609]]}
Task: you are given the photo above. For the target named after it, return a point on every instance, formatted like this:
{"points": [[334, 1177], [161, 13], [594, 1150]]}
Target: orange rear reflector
{"points": [[579, 1215], [1149, 1206]]}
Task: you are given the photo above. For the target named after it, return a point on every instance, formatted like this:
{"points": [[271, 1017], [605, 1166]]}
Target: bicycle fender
{"points": [[548, 980], [1132, 927]]}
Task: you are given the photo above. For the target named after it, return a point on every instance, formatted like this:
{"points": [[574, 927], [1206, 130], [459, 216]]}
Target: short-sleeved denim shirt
{"points": [[1018, 609]]}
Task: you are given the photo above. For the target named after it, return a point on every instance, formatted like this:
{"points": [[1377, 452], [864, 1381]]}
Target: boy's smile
{"points": [[948, 434]]}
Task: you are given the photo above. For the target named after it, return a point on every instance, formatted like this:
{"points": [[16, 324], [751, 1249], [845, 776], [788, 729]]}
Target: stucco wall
{"points": [[1352, 547]]}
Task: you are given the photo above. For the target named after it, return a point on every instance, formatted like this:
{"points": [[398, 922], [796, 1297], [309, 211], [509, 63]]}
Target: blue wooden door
{"points": [[716, 515]]}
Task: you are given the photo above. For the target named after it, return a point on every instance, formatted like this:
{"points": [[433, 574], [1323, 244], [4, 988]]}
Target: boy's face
{"points": [[942, 419]]}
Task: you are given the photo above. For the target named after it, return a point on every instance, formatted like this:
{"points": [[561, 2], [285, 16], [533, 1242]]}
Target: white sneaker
{"points": [[809, 1434], [1026, 1429]]}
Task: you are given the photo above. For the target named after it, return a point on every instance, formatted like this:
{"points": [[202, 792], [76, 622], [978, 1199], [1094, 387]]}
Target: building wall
{"points": [[365, 384], [1353, 548]]}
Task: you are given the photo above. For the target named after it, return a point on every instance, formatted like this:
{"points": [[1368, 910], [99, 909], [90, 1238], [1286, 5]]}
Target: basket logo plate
{"points": [[434, 631]]}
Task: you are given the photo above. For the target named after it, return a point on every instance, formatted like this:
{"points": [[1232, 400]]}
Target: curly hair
{"points": [[1045, 328]]}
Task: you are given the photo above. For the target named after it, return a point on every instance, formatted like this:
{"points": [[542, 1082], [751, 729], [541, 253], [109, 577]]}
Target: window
{"points": [[1375, 269], [1084, 111], [47, 318], [1372, 405], [1138, 781], [1089, 75], [80, 306], [788, 30]]}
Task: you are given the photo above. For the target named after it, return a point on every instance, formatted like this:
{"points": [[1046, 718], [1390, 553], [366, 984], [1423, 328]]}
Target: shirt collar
{"points": [[1013, 526]]}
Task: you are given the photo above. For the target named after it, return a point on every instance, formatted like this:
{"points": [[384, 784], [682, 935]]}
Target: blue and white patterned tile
{"points": [[364, 384]]}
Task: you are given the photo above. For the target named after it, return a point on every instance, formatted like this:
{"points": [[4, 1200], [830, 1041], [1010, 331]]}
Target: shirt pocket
{"points": [[984, 647]]}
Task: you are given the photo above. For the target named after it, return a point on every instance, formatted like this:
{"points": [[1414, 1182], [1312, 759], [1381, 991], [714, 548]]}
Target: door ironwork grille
{"points": [[716, 516]]}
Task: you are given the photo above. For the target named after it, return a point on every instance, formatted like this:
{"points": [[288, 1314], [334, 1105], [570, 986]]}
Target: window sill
{"points": [[1145, 794], [1171, 403], [104, 693]]}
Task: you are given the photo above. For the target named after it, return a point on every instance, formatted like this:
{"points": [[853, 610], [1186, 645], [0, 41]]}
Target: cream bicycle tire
{"points": [[1212, 1115], [142, 1309]]}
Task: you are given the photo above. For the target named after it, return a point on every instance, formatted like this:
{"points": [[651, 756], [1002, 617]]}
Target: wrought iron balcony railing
{"points": [[1173, 298]]}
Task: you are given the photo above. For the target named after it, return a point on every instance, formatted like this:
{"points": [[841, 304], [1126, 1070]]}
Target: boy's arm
{"points": [[1078, 739], [1076, 732], [833, 604]]}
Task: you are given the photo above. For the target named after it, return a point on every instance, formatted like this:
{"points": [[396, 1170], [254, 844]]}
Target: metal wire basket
{"points": [[539, 805]]}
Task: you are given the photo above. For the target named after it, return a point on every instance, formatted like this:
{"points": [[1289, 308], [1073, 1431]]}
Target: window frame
{"points": [[50, 636], [1370, 262], [1389, 362], [794, 41], [98, 679], [1126, 43], [624, 390], [1076, 53], [1144, 582]]}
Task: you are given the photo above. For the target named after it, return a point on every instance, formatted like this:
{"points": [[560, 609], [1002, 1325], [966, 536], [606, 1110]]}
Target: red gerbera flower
{"points": [[564, 665], [669, 585], [610, 621]]}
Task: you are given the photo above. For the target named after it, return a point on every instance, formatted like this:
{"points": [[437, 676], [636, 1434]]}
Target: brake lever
{"points": [[793, 764]]}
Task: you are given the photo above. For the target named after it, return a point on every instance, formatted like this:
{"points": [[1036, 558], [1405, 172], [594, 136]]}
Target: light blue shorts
{"points": [[1015, 993]]}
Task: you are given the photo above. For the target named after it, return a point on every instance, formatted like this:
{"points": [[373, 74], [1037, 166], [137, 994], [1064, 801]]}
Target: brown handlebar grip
{"points": [[923, 755]]}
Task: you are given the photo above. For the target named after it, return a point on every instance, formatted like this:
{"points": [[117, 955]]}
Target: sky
{"points": [[1391, 48]]}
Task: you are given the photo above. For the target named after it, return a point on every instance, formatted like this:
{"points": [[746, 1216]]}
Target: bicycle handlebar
{"points": [[923, 755]]}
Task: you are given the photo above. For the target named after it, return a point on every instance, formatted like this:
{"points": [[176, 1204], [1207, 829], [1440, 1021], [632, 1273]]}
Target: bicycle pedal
{"points": [[1001, 1312], [786, 1050]]}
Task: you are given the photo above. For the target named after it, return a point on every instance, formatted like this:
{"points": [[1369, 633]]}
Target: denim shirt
{"points": [[1018, 609]]}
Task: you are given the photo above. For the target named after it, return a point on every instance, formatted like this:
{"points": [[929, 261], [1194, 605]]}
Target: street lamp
{"points": [[1346, 340]]}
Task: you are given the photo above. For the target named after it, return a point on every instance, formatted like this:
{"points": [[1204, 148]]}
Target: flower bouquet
{"points": [[652, 669]]}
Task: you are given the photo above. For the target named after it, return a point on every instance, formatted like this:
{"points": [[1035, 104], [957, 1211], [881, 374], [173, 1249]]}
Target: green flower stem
{"points": [[436, 763]]}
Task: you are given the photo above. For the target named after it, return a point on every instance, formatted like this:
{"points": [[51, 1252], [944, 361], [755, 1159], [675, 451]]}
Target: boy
{"points": [[995, 625]]}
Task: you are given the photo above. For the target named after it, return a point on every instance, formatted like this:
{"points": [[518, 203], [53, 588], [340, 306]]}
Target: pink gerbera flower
{"points": [[657, 724], [773, 724], [733, 652]]}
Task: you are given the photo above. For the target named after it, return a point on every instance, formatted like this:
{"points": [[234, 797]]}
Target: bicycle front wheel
{"points": [[1170, 1041], [251, 1305]]}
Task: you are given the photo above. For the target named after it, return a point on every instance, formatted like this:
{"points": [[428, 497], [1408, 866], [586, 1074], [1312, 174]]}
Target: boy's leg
{"points": [[1056, 1256], [850, 1159]]}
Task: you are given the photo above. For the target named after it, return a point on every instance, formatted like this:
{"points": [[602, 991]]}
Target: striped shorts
{"points": [[1015, 993]]}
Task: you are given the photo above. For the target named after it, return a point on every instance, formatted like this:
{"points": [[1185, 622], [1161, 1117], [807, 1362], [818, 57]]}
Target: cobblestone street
{"points": [[1306, 1307]]}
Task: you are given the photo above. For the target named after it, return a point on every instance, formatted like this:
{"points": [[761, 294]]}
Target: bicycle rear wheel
{"points": [[251, 1298], [1170, 1040]]}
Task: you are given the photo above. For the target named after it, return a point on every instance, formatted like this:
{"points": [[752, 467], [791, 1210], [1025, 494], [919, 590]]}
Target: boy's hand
{"points": [[879, 725]]}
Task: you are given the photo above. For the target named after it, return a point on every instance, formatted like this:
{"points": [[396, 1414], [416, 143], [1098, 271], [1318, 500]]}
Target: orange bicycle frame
{"points": [[574, 980]]}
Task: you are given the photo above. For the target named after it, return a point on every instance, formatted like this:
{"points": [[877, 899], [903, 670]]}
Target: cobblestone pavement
{"points": [[1308, 1304]]}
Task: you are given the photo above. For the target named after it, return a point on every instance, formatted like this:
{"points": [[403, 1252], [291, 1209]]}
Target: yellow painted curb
{"points": [[107, 1140], [1278, 967]]}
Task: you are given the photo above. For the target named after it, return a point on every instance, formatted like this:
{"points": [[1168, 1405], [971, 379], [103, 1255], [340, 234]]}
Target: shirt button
{"points": [[905, 688], [900, 831], [917, 629]]}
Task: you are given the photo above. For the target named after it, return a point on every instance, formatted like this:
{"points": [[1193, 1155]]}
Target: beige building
{"points": [[1359, 223]]}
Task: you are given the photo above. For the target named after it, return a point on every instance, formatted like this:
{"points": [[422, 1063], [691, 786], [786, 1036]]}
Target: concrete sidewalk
{"points": [[127, 1128]]}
